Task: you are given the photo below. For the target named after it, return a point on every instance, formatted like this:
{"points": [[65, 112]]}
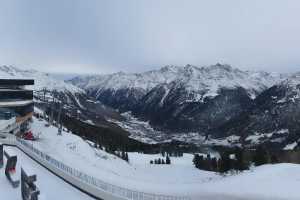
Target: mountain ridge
{"points": [[181, 99], [193, 76]]}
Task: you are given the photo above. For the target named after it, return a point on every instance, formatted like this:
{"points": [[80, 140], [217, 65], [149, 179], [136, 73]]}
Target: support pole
{"points": [[1, 156], [10, 169], [59, 123]]}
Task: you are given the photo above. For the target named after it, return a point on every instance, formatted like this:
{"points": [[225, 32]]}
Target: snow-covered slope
{"points": [[42, 80], [180, 178]]}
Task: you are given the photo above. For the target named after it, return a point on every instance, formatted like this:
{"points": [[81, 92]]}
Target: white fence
{"points": [[87, 183]]}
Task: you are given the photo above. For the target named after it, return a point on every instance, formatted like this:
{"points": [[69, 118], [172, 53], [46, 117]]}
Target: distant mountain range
{"points": [[216, 100]]}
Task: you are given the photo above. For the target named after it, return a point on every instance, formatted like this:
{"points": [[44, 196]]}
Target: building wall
{"points": [[16, 94]]}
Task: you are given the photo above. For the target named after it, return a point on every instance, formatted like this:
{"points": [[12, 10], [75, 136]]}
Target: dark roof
{"points": [[16, 82]]}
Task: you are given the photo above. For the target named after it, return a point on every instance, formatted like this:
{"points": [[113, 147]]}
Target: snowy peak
{"points": [[293, 80], [170, 68], [42, 80], [208, 79], [143, 81]]}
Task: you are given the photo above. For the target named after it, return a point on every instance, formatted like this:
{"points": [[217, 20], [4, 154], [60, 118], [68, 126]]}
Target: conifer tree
{"points": [[168, 161], [123, 156], [159, 161], [260, 156], [196, 160], [126, 157], [225, 163], [274, 159], [207, 163], [214, 164], [240, 163]]}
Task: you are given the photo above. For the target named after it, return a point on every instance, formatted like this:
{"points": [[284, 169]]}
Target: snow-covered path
{"points": [[51, 186]]}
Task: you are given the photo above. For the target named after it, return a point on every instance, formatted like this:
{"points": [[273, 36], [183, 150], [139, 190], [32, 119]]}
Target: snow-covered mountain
{"points": [[181, 99], [42, 80], [204, 81], [273, 118]]}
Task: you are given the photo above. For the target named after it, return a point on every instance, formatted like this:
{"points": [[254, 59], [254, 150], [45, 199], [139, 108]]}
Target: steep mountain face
{"points": [[181, 99], [123, 91], [274, 116], [178, 116]]}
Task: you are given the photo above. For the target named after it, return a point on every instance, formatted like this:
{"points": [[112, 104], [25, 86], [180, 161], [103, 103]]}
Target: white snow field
{"points": [[279, 181], [51, 186]]}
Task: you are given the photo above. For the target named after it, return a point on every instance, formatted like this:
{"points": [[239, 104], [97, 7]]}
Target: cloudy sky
{"points": [[100, 36]]}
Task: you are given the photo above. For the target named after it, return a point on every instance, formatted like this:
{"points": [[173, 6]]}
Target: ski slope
{"points": [[278, 181], [51, 186]]}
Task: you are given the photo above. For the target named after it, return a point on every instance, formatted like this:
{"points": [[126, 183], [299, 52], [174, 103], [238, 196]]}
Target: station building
{"points": [[16, 105]]}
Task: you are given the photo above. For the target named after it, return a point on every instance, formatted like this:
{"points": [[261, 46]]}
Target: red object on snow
{"points": [[12, 170], [28, 136]]}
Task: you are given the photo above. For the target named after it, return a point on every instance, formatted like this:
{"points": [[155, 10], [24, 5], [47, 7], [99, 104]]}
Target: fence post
{"points": [[1, 156]]}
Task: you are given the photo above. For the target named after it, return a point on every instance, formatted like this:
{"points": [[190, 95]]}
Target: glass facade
{"points": [[8, 95], [15, 101], [15, 111]]}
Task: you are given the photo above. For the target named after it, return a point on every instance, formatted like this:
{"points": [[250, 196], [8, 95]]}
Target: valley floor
{"points": [[279, 181]]}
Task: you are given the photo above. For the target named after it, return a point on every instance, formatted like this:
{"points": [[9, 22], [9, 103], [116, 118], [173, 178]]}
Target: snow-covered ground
{"points": [[180, 178], [51, 186], [75, 152]]}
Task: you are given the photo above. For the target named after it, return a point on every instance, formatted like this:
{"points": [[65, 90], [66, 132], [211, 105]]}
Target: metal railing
{"points": [[7, 139], [92, 181]]}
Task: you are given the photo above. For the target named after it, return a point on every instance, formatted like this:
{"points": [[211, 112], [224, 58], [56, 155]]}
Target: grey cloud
{"points": [[136, 35]]}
